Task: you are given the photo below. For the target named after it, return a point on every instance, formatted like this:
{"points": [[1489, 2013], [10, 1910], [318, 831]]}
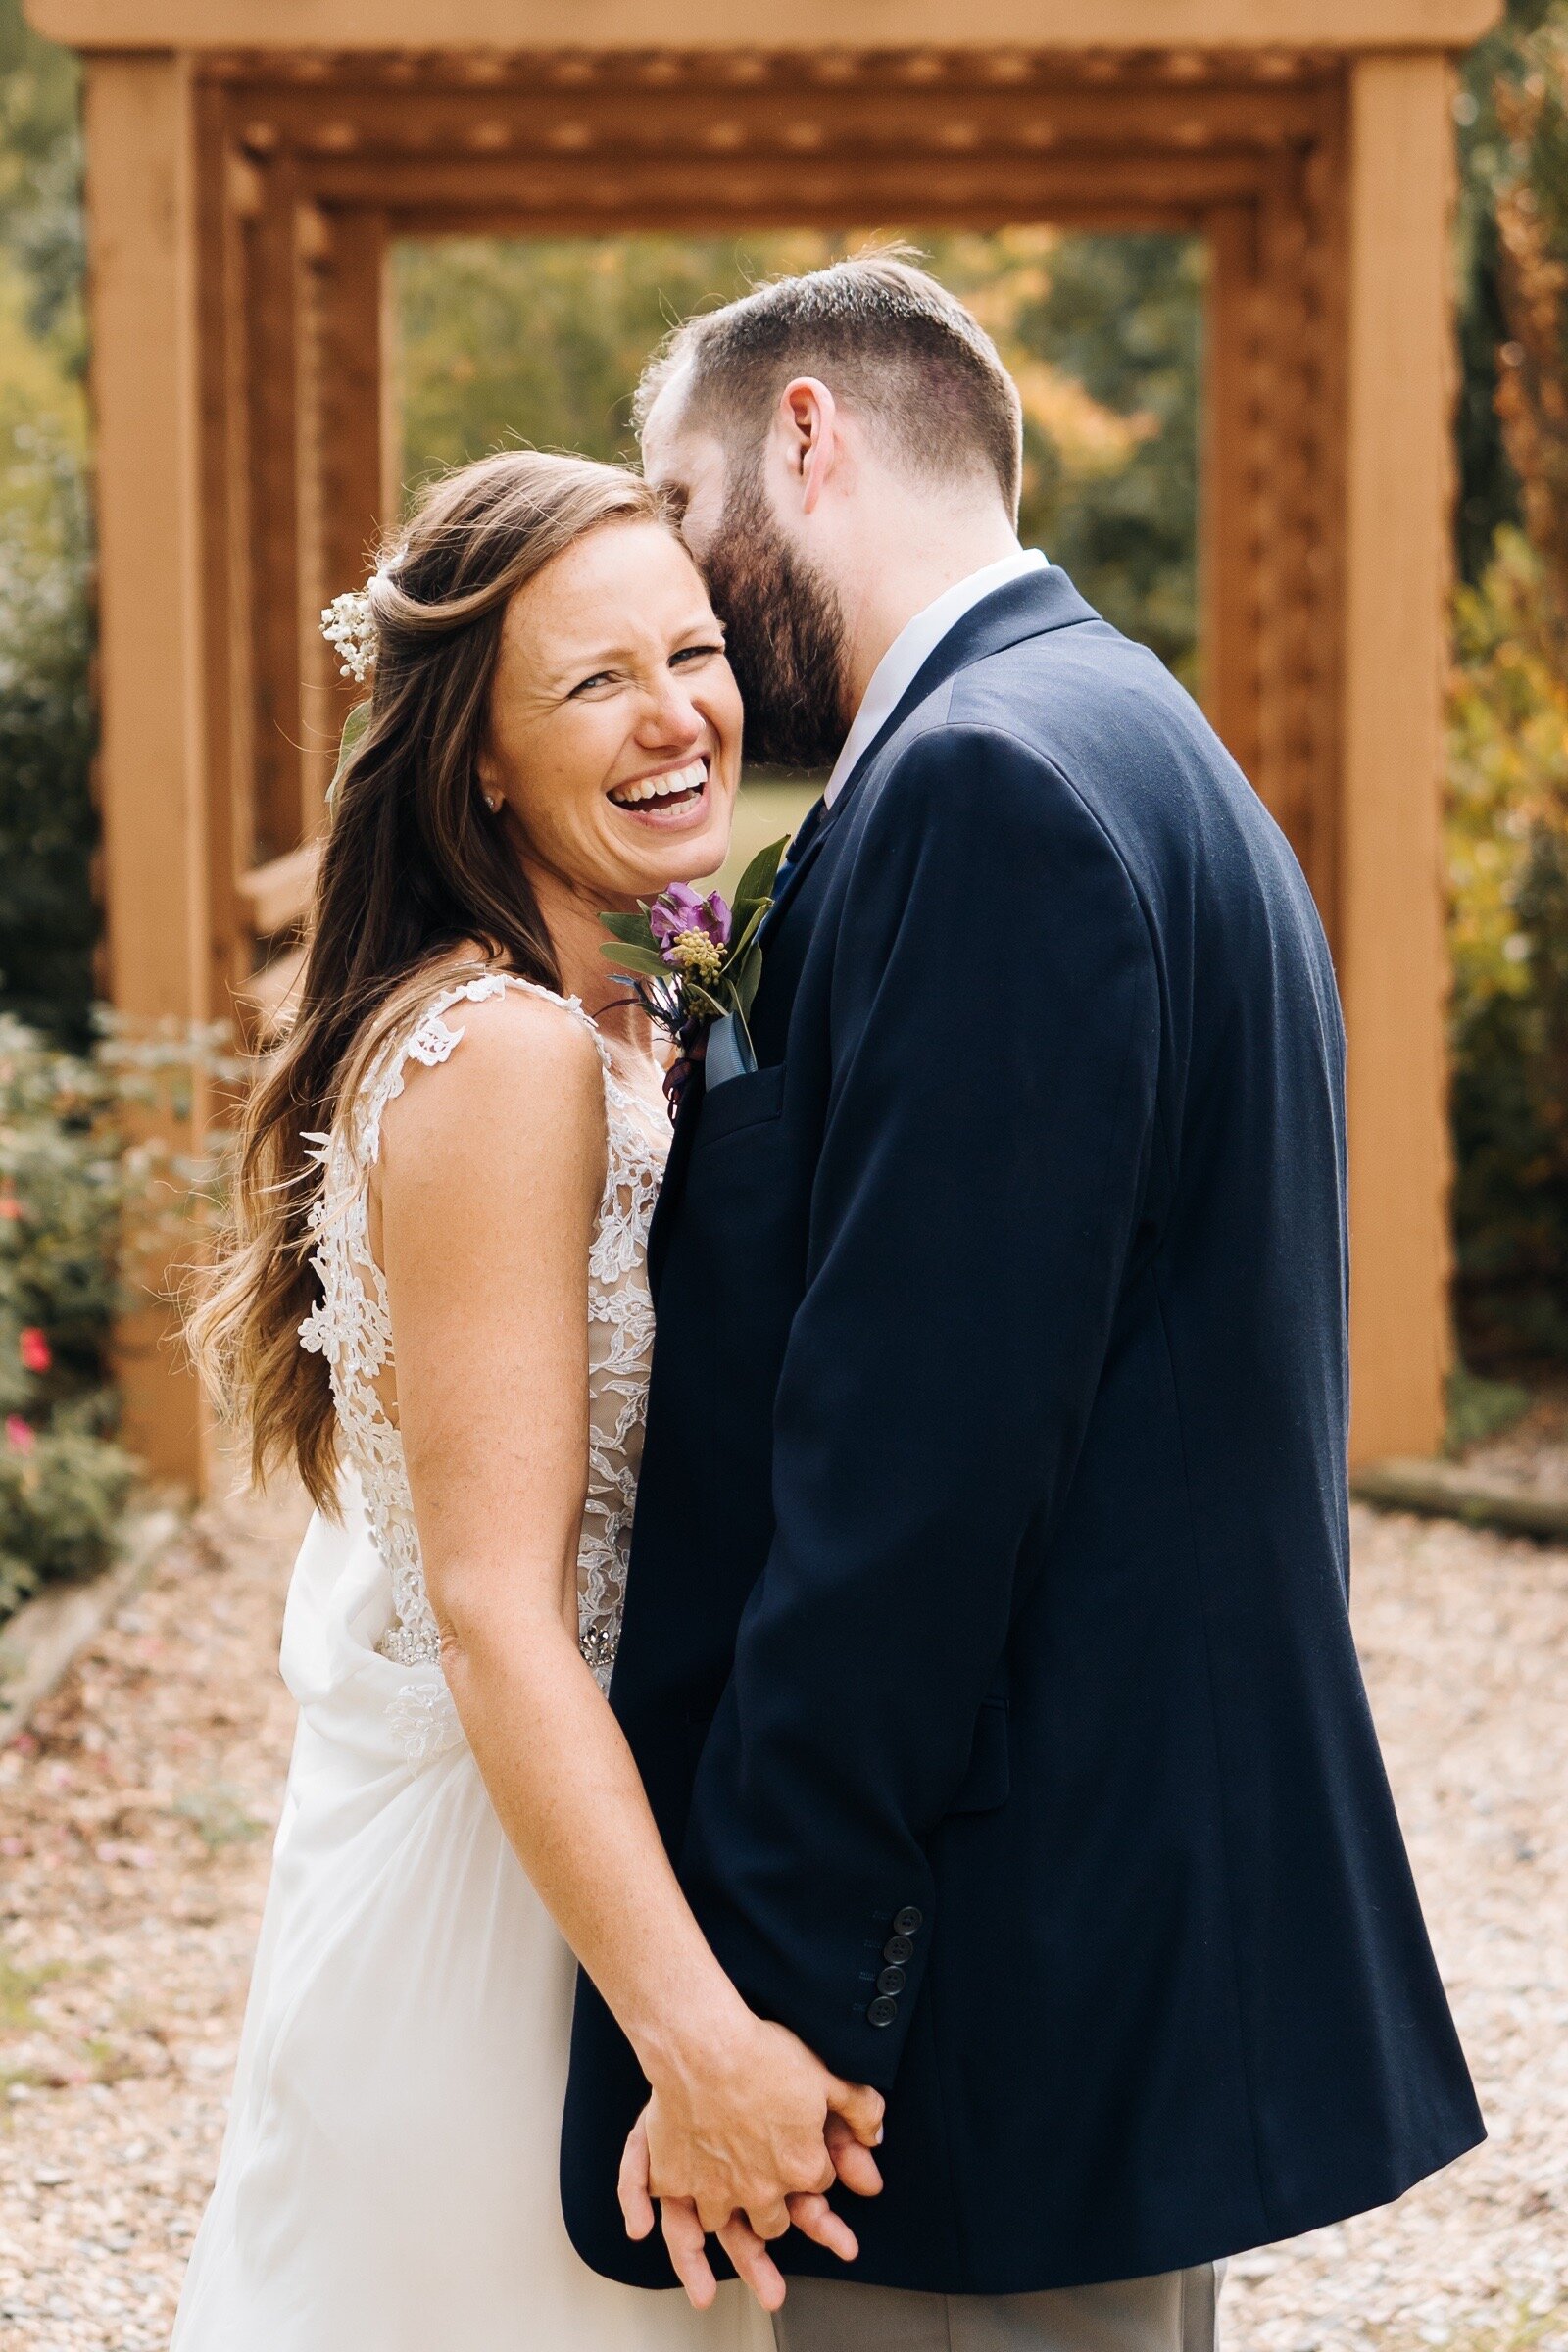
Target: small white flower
{"points": [[348, 624]]}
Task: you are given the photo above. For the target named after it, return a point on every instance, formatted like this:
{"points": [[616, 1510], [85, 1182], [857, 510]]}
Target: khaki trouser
{"points": [[1175, 2312]]}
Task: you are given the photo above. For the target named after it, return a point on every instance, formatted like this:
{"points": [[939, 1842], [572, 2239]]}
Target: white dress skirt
{"points": [[389, 2177]]}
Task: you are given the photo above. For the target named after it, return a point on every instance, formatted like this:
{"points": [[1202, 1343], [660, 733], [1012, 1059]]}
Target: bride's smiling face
{"points": [[614, 721]]}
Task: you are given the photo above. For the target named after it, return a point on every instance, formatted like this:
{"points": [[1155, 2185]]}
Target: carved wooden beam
{"points": [[826, 25]]}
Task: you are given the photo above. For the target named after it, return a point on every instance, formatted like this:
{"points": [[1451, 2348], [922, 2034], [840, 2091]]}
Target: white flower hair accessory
{"points": [[348, 624]]}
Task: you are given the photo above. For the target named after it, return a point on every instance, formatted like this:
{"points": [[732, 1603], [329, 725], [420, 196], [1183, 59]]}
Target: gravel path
{"points": [[133, 1839]]}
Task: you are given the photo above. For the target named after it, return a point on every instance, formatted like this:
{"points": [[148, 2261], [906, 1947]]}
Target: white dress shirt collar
{"points": [[906, 656]]}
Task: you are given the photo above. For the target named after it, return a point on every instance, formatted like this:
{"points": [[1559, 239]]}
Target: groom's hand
{"points": [[686, 2240], [740, 2138]]}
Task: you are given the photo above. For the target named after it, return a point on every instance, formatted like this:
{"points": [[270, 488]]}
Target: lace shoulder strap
{"points": [[351, 1325], [430, 1039]]}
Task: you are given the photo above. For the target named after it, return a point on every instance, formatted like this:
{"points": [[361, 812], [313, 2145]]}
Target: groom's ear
{"points": [[810, 427]]}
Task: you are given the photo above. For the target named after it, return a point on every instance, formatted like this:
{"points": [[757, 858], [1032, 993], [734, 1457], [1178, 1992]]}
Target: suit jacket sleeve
{"points": [[995, 1046]]}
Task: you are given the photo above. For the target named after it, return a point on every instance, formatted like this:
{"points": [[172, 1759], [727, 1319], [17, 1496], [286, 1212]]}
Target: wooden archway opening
{"points": [[243, 200]]}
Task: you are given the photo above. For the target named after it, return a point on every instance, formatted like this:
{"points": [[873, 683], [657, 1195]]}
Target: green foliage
{"points": [[1495, 69], [1103, 336], [48, 923], [60, 1498], [1509, 704], [40, 177], [543, 342], [82, 1193], [64, 1189], [1489, 493], [1480, 1409], [1508, 864]]}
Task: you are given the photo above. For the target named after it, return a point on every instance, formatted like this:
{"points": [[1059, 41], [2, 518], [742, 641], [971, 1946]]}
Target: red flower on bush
{"points": [[20, 1435], [34, 1351]]}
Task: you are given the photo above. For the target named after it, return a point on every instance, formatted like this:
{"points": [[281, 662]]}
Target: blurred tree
{"points": [[1508, 865], [543, 341], [1103, 336], [40, 180], [1532, 216], [1508, 766], [1489, 491], [48, 922]]}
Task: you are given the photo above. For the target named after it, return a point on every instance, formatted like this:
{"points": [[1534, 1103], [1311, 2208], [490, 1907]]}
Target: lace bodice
{"points": [[352, 1329]]}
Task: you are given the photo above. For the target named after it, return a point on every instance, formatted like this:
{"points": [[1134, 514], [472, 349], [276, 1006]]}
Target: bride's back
{"points": [[351, 1326]]}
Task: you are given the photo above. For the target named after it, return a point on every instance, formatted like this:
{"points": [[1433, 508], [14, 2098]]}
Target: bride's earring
{"points": [[492, 801]]}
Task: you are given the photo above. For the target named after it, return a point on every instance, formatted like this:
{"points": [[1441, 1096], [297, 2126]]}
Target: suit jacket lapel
{"points": [[802, 855], [669, 1190], [1030, 607]]}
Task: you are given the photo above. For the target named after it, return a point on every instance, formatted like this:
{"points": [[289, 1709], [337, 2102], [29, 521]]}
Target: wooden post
{"points": [[1400, 389], [141, 212], [342, 435]]}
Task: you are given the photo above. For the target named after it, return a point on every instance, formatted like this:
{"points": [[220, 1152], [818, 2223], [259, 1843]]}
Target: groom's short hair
{"points": [[885, 338]]}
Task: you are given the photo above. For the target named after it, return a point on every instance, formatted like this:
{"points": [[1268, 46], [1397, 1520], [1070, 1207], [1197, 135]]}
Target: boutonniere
{"points": [[692, 961]]}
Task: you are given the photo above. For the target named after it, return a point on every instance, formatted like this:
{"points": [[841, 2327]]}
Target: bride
{"points": [[431, 1298]]}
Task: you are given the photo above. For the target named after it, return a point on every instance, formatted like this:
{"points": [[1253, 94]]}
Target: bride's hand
{"points": [[686, 2240], [741, 2140]]}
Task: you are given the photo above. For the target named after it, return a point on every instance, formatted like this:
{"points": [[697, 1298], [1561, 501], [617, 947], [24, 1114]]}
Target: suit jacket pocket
{"points": [[988, 1783], [741, 1103]]}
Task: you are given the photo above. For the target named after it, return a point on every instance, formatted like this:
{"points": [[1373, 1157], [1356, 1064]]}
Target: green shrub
{"points": [[61, 1197], [61, 1492], [1509, 867], [48, 920], [85, 1192], [1480, 1409]]}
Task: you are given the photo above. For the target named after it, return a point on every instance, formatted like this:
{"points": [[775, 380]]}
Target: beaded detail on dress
{"points": [[352, 1328]]}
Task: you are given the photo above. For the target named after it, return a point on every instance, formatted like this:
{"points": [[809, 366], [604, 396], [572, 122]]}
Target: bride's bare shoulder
{"points": [[509, 1077]]}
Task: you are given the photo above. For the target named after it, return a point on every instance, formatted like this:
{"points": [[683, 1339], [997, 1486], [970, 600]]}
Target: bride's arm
{"points": [[489, 1183]]}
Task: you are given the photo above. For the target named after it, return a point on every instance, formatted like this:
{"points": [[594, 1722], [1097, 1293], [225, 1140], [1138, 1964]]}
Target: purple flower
{"points": [[678, 913]]}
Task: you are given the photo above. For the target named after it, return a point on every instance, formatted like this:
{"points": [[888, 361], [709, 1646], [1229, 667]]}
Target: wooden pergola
{"points": [[251, 161]]}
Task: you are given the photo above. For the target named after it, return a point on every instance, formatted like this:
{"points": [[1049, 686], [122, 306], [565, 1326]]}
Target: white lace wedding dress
{"points": [[388, 2182]]}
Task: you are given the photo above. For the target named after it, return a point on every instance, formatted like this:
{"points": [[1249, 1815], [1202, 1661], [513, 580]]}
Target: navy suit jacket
{"points": [[985, 1652]]}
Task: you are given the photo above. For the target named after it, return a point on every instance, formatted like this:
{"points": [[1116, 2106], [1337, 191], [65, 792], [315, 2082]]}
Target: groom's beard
{"points": [[786, 636]]}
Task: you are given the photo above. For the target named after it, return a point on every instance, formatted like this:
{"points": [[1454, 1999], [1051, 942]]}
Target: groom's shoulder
{"points": [[1075, 743], [968, 794], [1080, 715], [1103, 716], [1082, 695]]}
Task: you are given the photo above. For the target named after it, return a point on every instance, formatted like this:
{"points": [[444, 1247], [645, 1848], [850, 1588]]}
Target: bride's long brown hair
{"points": [[414, 870]]}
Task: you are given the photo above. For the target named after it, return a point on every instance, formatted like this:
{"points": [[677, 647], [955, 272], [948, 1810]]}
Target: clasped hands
{"points": [[741, 2139]]}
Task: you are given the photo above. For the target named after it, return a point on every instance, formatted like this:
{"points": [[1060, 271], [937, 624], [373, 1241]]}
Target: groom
{"points": [[987, 1654]]}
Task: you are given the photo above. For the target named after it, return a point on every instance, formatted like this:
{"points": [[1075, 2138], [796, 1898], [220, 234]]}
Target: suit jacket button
{"points": [[908, 1921], [892, 1979], [899, 1949], [882, 2011]]}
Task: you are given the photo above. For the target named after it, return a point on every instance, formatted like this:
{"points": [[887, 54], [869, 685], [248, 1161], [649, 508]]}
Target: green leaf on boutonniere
{"points": [[747, 925], [756, 886], [691, 959], [744, 976], [630, 955], [635, 929]]}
